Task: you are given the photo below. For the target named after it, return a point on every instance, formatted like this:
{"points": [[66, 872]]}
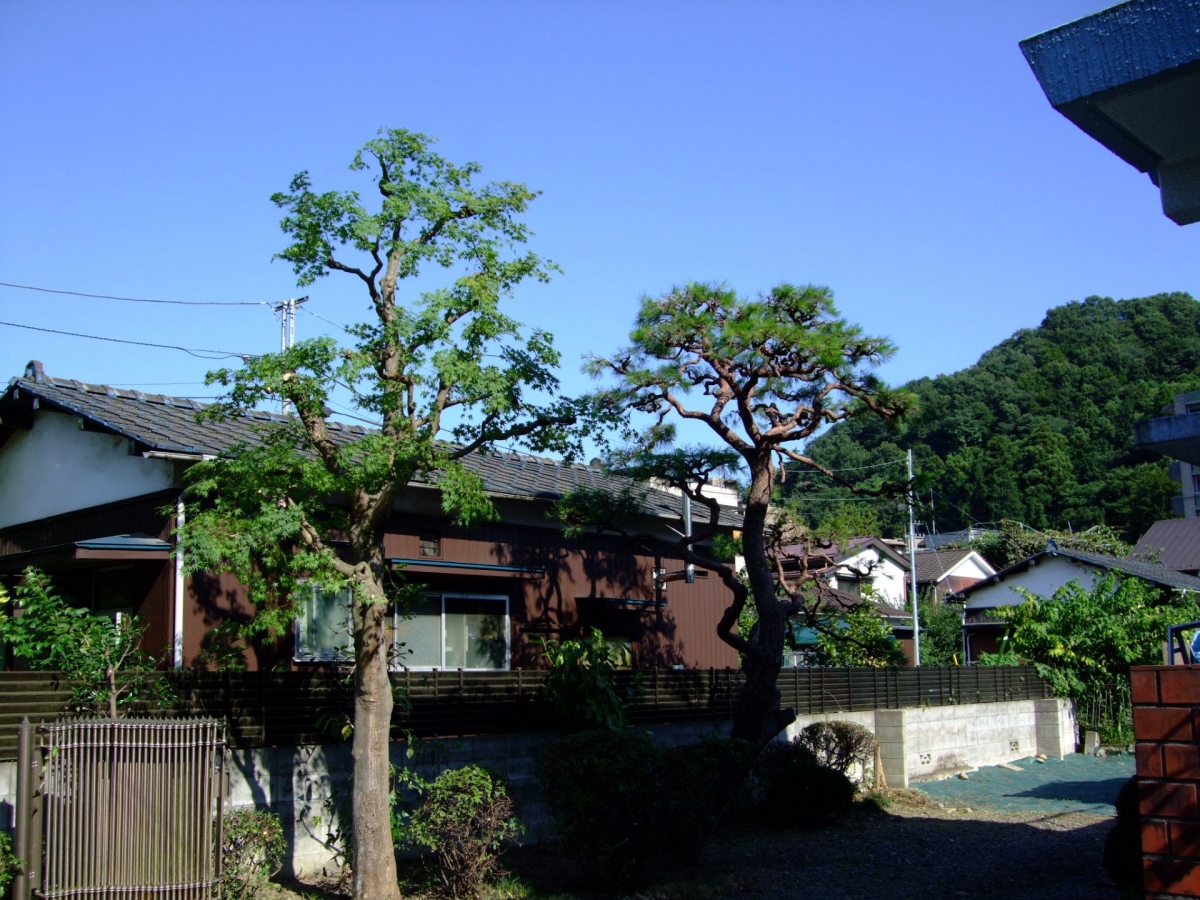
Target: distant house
{"points": [[856, 566], [861, 567], [1173, 542], [943, 572], [803, 639], [90, 489], [1043, 574]]}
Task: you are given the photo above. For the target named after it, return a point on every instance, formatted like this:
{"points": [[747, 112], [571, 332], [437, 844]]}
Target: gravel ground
{"points": [[1031, 835]]}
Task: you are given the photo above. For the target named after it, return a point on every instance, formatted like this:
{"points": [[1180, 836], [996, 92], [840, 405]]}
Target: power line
{"points": [[325, 320], [193, 351], [30, 287], [811, 471]]}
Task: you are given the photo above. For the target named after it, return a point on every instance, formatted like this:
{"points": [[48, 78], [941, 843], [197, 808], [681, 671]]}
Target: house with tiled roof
{"points": [[91, 481], [850, 572], [1043, 574], [947, 571], [1173, 542]]}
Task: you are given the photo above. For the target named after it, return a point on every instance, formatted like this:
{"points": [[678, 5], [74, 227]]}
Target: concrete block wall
{"points": [[307, 786], [1166, 725]]}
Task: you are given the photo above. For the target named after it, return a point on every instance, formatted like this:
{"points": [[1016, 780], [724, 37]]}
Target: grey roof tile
{"points": [[168, 424]]}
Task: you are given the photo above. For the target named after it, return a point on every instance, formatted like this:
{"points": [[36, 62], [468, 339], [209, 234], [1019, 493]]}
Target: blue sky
{"points": [[901, 153]]}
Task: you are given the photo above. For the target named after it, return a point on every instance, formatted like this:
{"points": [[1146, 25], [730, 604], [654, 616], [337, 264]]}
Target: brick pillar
{"points": [[1166, 723]]}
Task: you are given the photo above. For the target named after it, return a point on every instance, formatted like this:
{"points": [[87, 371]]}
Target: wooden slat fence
{"points": [[292, 708]]}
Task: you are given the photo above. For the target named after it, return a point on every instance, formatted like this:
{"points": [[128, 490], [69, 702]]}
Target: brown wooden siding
{"points": [[139, 514], [575, 584]]}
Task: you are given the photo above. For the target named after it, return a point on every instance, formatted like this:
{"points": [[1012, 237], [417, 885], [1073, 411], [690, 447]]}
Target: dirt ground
{"points": [[916, 849]]}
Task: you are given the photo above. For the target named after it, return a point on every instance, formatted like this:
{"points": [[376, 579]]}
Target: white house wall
{"points": [[1045, 578], [888, 580], [971, 567], [56, 467]]}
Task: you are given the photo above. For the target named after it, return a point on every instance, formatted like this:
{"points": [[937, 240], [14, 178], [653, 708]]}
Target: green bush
{"points": [[805, 796], [694, 783], [465, 818], [602, 788], [620, 801], [9, 864], [252, 848], [582, 681], [837, 745]]}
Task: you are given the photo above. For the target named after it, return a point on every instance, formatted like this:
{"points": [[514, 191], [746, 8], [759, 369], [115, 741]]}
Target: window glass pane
{"points": [[325, 632], [420, 635], [476, 633]]}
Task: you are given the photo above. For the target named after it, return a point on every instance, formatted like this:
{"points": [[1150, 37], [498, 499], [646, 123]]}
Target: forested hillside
{"points": [[1039, 430]]}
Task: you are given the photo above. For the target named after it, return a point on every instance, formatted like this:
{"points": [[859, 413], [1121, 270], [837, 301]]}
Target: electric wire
{"points": [[44, 290], [811, 471], [197, 352]]}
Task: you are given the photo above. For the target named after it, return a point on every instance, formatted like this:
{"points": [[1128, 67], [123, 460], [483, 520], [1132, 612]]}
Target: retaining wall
{"points": [[304, 784]]}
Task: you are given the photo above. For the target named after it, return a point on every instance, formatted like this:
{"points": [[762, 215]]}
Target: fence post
{"points": [[28, 812]]}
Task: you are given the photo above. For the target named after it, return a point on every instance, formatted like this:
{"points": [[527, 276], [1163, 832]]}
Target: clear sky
{"points": [[900, 152]]}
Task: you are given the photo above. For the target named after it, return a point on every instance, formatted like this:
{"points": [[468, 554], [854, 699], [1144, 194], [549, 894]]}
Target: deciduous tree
{"points": [[446, 373]]}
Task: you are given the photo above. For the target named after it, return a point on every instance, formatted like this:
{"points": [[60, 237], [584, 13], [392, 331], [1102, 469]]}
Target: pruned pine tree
{"points": [[763, 375], [444, 372]]}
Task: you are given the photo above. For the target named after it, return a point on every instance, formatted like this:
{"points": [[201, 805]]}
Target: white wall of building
{"points": [[57, 467], [888, 580], [1047, 576]]}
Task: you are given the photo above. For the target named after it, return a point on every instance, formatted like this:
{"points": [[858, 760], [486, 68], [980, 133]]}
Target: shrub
{"points": [[805, 796], [252, 847], [693, 781], [603, 790], [465, 818], [837, 745], [9, 864], [581, 682], [620, 801]]}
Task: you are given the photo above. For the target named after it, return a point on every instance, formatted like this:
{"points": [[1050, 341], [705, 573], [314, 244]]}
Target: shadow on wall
{"points": [[584, 582], [222, 610]]}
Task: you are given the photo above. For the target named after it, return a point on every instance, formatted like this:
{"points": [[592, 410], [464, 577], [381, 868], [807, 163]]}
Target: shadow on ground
{"points": [[922, 854]]}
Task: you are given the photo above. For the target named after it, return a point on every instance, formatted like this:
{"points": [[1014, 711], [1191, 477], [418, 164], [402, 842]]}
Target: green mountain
{"points": [[1039, 430]]}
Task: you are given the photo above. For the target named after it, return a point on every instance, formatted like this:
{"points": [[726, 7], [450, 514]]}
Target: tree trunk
{"points": [[374, 855], [759, 718]]}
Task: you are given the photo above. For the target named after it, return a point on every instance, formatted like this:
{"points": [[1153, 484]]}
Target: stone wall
{"points": [[1166, 723]]}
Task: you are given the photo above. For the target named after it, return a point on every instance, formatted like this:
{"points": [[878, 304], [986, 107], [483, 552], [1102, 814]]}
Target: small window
{"points": [[431, 544], [323, 627]]}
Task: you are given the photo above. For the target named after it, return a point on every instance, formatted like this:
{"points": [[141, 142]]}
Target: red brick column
{"points": [[1166, 722]]}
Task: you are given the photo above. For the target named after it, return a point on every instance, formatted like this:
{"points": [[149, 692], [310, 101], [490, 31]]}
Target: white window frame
{"points": [[397, 618], [304, 623]]}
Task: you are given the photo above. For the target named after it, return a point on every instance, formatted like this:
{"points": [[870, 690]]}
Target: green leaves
{"points": [[581, 681], [102, 657], [1040, 430], [1083, 639]]}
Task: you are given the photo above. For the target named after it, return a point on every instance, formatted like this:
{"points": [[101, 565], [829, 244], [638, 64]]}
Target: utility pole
{"points": [[912, 561], [287, 330]]}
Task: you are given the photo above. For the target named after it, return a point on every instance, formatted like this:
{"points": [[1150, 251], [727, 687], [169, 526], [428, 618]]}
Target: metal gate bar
{"points": [[128, 807]]}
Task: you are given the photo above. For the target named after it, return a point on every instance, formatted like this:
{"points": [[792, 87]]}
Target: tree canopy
{"points": [[762, 375], [1040, 430], [445, 373]]}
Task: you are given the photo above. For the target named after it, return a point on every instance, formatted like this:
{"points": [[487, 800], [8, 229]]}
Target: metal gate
{"points": [[120, 808]]}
